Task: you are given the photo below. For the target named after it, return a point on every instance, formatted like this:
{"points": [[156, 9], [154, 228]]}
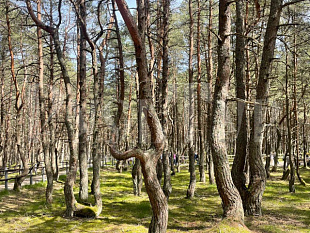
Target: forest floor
{"points": [[123, 212]]}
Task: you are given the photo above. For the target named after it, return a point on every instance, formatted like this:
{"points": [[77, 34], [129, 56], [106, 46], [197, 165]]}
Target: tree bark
{"points": [[238, 168], [43, 117], [209, 63], [150, 157], [19, 102], [231, 200], [164, 92], [257, 172], [191, 154], [202, 155], [82, 124], [70, 180]]}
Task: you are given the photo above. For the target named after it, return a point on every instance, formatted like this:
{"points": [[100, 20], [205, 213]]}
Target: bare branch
{"points": [[291, 3], [38, 22], [137, 153]]}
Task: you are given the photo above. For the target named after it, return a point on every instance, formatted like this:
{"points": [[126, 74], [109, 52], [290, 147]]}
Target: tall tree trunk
{"points": [[191, 154], [82, 128], [238, 168], [199, 104], [19, 102], [43, 117], [209, 63], [231, 200], [257, 171], [150, 157], [289, 133], [136, 170], [164, 92]]}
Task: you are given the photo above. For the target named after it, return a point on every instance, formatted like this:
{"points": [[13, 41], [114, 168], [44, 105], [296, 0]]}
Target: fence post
{"points": [[6, 178], [42, 174]]}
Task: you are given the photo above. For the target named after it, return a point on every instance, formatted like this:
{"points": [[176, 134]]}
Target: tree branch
{"points": [[38, 22], [137, 153], [291, 3]]}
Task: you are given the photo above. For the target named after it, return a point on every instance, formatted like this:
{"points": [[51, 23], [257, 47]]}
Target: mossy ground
{"points": [[123, 212]]}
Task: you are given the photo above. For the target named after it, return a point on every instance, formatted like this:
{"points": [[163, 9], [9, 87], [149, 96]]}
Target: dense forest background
{"points": [[205, 82]]}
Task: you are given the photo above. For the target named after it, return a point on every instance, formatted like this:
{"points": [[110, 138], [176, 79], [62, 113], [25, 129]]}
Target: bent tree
{"points": [[257, 171], [150, 157], [70, 180], [232, 203]]}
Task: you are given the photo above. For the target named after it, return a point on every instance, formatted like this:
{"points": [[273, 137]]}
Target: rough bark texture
{"points": [[165, 75], [257, 172], [238, 167], [202, 155], [43, 117], [83, 192], [209, 63], [191, 154], [150, 157], [137, 178], [231, 200]]}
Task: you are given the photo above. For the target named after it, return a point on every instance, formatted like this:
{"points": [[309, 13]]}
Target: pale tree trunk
{"points": [[199, 103], [150, 157], [136, 170], [43, 117], [289, 133], [296, 122], [191, 154], [257, 172], [231, 200], [82, 125], [98, 101]]}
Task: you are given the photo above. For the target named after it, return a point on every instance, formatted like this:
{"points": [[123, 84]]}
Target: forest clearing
{"points": [[124, 212], [155, 115]]}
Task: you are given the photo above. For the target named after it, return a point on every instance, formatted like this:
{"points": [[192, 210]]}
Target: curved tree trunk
{"points": [[257, 172], [70, 180], [238, 168], [150, 157], [231, 200]]}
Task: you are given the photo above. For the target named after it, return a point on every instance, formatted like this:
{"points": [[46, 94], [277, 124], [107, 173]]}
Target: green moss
{"points": [[84, 211], [62, 178], [229, 226], [124, 212]]}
